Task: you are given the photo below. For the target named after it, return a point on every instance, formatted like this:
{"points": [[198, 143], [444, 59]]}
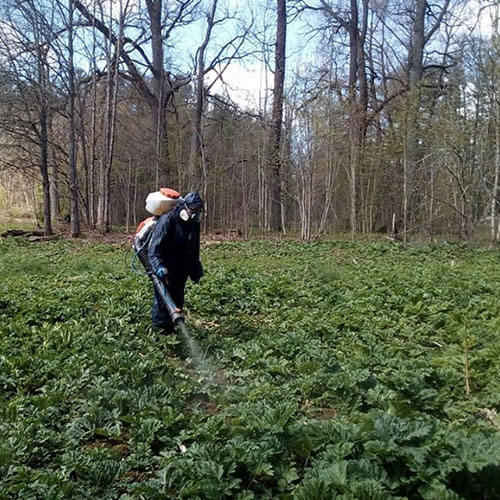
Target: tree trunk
{"points": [[494, 194], [352, 187], [104, 211], [160, 96], [93, 133], [362, 77], [44, 170], [496, 117], [415, 73], [83, 141], [274, 152], [44, 163], [73, 179], [196, 157], [354, 132], [53, 177]]}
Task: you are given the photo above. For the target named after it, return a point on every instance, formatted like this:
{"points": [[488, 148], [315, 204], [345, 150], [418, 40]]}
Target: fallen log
{"points": [[20, 232], [44, 238]]}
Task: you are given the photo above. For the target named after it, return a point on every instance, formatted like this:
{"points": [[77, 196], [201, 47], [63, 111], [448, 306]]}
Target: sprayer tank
{"points": [[162, 201]]}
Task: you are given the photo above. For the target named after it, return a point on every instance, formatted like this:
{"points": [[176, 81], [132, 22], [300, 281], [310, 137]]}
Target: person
{"points": [[174, 254]]}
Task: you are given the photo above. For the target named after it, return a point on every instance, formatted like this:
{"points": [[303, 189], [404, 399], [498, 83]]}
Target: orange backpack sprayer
{"points": [[157, 204]]}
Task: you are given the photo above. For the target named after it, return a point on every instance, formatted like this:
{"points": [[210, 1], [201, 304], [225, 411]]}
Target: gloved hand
{"points": [[162, 274]]}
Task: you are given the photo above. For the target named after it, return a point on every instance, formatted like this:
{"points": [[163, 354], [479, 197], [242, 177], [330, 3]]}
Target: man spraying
{"points": [[174, 254]]}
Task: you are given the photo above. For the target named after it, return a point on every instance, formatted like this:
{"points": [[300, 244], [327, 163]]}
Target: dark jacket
{"points": [[175, 245]]}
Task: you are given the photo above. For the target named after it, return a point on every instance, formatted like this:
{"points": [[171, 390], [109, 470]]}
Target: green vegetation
{"points": [[344, 371], [26, 224]]}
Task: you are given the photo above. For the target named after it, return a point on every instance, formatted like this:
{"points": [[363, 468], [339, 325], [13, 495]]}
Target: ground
{"points": [[323, 370]]}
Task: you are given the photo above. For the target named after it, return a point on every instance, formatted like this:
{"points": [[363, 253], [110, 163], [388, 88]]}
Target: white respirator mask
{"points": [[190, 215], [183, 214]]}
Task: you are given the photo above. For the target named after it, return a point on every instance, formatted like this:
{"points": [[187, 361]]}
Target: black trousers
{"points": [[159, 313]]}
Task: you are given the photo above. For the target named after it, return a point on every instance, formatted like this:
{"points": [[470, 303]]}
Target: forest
{"points": [[342, 340], [299, 117]]}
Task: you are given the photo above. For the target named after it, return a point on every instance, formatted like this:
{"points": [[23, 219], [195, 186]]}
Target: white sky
{"points": [[244, 85], [479, 15]]}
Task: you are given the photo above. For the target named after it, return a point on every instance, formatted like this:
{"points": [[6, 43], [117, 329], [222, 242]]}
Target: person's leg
{"points": [[176, 290], [159, 313]]}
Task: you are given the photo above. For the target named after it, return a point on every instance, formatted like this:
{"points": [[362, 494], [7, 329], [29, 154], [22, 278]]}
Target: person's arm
{"points": [[157, 245], [195, 268]]}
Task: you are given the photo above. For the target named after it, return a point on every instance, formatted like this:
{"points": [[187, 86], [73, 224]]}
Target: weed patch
{"points": [[349, 371]]}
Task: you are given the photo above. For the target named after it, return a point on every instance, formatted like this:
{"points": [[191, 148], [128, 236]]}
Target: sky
{"points": [[245, 84]]}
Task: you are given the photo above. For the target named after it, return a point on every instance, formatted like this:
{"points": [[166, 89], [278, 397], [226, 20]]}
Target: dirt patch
{"points": [[137, 476], [202, 402], [121, 449], [325, 414]]}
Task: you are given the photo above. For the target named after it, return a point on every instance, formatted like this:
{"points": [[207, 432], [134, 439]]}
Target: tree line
{"points": [[373, 115]]}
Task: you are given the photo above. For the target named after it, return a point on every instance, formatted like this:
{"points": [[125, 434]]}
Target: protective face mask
{"points": [[183, 214]]}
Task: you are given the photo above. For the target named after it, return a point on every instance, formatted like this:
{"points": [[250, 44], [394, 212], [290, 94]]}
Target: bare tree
{"points": [[73, 177], [228, 51], [420, 36], [155, 84], [196, 156], [355, 25], [495, 104], [25, 40], [274, 148]]}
